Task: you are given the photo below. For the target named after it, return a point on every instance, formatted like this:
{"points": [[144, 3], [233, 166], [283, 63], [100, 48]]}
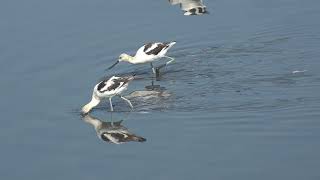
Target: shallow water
{"points": [[241, 100]]}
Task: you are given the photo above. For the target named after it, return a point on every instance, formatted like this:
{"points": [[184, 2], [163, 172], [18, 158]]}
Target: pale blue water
{"points": [[232, 107]]}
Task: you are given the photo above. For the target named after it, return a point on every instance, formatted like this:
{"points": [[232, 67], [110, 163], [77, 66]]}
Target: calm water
{"points": [[241, 101]]}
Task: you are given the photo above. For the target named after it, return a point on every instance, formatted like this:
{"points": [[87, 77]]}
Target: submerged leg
{"points": [[127, 101], [111, 107], [153, 70]]}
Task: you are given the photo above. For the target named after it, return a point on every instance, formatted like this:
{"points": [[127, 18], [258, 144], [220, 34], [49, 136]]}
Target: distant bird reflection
{"points": [[112, 132], [191, 7]]}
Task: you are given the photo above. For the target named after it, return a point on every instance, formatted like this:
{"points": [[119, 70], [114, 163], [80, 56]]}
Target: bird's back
{"points": [[151, 51], [113, 86]]}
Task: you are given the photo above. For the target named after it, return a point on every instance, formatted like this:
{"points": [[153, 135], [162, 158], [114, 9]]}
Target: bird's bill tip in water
{"points": [[113, 65], [84, 114]]}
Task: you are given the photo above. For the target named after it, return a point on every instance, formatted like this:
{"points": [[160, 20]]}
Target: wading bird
{"points": [[147, 54], [108, 89]]}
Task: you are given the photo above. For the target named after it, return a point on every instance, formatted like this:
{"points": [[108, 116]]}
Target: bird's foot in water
{"points": [[157, 69], [152, 86], [160, 67]]}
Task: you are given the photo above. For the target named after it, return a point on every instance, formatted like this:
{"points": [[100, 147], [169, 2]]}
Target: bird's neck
{"points": [[130, 59], [93, 103]]}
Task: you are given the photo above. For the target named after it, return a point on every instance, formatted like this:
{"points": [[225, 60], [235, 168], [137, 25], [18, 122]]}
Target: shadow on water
{"points": [[191, 7], [112, 131]]}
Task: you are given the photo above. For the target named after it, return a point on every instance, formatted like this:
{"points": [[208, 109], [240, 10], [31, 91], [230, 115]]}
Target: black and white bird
{"points": [[108, 89], [191, 7], [112, 132], [147, 54]]}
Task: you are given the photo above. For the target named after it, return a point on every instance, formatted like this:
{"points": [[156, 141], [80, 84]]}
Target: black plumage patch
{"points": [[192, 11], [201, 10], [157, 49], [147, 46], [101, 86], [117, 83]]}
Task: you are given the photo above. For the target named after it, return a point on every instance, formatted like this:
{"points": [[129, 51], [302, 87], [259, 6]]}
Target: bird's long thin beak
{"points": [[113, 65]]}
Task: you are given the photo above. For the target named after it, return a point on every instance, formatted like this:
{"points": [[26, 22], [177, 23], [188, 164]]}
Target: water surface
{"points": [[241, 101]]}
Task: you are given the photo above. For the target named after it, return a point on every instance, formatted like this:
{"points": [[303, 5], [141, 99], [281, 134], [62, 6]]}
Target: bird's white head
{"points": [[125, 57], [122, 57]]}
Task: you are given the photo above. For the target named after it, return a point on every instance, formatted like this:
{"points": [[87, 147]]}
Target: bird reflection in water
{"points": [[191, 7], [112, 132]]}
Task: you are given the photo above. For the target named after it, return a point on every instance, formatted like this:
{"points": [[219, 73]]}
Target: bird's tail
{"points": [[170, 44]]}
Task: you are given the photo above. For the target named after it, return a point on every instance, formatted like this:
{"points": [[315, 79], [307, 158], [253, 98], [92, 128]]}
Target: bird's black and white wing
{"points": [[113, 83], [154, 48]]}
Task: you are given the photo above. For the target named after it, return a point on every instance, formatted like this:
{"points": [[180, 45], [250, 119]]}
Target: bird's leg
{"points": [[164, 65], [153, 70], [111, 117], [171, 60], [111, 107], [127, 101]]}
